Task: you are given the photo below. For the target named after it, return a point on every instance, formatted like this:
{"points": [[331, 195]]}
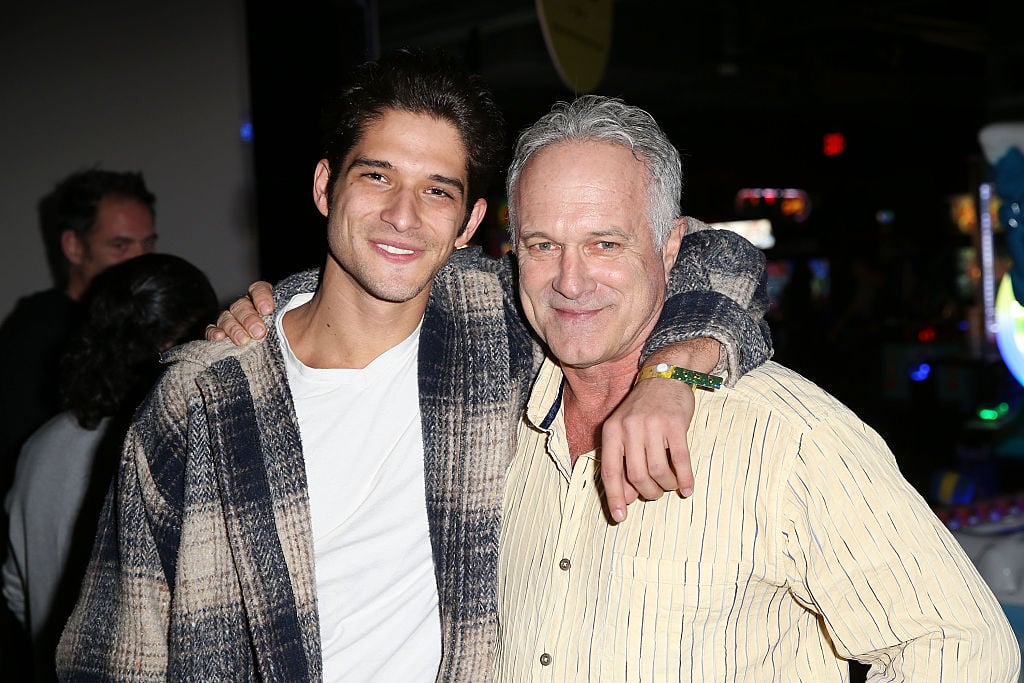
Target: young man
{"points": [[270, 519], [802, 548]]}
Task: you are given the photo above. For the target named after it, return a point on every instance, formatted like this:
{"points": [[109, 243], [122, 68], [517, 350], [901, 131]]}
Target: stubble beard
{"points": [[380, 286]]}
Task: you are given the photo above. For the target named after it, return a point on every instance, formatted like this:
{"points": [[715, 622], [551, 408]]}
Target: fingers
{"points": [[615, 485], [231, 329], [214, 333], [631, 493], [636, 469], [242, 322], [679, 453], [648, 465], [262, 295], [643, 445]]}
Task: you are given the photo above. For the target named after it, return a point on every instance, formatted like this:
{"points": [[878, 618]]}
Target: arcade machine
{"points": [[991, 529]]}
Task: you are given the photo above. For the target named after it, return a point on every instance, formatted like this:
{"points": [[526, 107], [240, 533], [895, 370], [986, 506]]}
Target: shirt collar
{"points": [[545, 396]]}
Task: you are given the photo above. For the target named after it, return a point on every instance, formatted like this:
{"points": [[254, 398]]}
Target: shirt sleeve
{"points": [[893, 587], [13, 579], [118, 629], [717, 289]]}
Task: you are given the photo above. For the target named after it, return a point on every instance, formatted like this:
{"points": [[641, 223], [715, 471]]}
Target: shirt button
{"points": [[564, 564], [545, 659]]}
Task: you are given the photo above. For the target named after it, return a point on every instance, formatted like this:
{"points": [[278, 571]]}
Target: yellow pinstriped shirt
{"points": [[801, 546]]}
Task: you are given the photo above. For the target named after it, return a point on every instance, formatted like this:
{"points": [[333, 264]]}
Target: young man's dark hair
{"points": [[73, 204], [430, 82]]}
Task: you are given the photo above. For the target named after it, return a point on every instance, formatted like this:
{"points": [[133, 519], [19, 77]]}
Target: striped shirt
{"points": [[803, 546]]}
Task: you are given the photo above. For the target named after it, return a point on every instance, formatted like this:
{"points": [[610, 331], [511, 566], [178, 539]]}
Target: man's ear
{"points": [[475, 216], [321, 181], [670, 250], [72, 247]]}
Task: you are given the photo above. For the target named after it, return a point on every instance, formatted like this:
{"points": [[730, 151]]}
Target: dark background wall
{"points": [[161, 88]]}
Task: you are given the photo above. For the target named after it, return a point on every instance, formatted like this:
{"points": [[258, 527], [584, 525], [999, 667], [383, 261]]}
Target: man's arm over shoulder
{"points": [[717, 289], [246, 317]]}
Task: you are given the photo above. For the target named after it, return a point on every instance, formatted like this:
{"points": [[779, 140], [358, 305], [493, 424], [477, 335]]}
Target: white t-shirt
{"points": [[363, 448]]}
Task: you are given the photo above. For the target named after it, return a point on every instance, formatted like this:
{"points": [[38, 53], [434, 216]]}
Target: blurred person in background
{"points": [[91, 220], [132, 312]]}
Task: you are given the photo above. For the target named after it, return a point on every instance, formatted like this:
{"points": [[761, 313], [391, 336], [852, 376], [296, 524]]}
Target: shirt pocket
{"points": [[662, 615]]}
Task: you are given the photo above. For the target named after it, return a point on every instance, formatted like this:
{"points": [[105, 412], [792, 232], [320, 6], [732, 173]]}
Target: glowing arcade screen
{"points": [[1010, 328]]}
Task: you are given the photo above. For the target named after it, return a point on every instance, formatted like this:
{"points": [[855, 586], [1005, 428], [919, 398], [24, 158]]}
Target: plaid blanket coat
{"points": [[202, 569]]}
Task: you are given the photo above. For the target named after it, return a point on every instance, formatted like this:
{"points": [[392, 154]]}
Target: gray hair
{"points": [[593, 118]]}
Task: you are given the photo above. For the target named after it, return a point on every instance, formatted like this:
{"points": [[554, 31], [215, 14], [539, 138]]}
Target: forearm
{"points": [[971, 655], [743, 341], [717, 290], [943, 624], [702, 354]]}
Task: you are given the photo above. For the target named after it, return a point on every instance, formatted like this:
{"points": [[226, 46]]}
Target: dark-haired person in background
{"points": [[132, 312], [91, 220]]}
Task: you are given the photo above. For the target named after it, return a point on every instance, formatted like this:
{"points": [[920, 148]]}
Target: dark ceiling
{"points": [[752, 56], [746, 90]]}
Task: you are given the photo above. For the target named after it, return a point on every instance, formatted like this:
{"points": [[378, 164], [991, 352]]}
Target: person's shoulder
{"points": [[191, 365], [473, 275], [473, 258], [55, 442], [40, 306], [37, 328], [787, 394], [302, 282], [196, 356], [61, 427]]}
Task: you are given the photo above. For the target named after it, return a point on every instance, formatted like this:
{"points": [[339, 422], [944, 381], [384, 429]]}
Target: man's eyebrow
{"points": [[531, 234], [364, 162], [451, 182], [614, 232], [369, 163]]}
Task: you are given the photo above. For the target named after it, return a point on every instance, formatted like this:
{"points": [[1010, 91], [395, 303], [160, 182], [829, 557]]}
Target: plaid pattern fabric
{"points": [[203, 564]]}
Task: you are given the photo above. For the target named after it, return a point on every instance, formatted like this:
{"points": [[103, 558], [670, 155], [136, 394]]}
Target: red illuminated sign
{"points": [[833, 144]]}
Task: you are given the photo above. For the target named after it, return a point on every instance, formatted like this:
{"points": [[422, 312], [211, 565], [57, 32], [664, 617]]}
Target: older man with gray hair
{"points": [[803, 547]]}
